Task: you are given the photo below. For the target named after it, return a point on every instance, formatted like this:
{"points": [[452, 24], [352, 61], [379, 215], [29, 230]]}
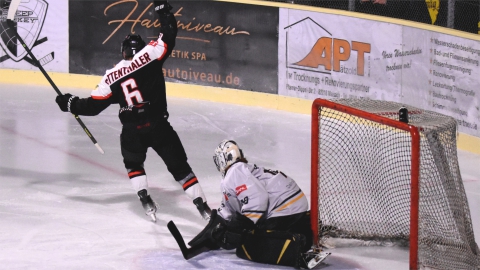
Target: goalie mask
{"points": [[131, 45], [226, 153]]}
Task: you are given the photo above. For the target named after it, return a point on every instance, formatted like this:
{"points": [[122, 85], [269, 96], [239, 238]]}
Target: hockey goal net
{"points": [[376, 178]]}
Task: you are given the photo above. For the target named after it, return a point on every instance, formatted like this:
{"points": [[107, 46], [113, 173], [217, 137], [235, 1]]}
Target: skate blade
{"points": [[317, 259]]}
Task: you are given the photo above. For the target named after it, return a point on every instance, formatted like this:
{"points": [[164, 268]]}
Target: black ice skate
{"points": [[148, 204], [203, 208]]}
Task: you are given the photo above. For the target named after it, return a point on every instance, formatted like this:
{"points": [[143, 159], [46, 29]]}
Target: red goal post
{"points": [[375, 177]]}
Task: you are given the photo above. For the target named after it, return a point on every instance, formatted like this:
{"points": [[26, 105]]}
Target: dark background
{"points": [[466, 12], [252, 58]]}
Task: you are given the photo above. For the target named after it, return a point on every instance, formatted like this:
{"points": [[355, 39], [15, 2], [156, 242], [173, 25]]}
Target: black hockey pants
{"points": [[162, 138]]}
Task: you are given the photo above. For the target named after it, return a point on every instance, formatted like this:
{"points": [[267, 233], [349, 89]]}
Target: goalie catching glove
{"points": [[66, 102]]}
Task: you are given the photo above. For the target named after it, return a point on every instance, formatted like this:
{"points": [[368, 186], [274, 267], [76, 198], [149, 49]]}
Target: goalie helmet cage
{"points": [[376, 178]]}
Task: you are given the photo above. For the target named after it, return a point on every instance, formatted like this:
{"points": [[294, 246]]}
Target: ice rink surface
{"points": [[63, 205]]}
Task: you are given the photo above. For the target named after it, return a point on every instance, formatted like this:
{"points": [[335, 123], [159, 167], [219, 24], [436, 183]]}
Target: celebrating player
{"points": [[137, 84], [264, 214]]}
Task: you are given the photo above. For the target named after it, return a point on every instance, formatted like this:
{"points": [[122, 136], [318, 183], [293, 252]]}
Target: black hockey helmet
{"points": [[131, 45]]}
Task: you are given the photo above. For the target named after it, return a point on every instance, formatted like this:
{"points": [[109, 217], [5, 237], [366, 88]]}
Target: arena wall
{"points": [[256, 53]]}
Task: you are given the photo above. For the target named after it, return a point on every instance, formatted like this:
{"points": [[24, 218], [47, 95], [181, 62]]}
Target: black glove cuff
{"points": [[71, 103]]}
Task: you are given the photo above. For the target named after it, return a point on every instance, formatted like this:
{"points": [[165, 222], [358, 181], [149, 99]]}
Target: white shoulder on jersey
{"points": [[103, 91], [238, 170]]}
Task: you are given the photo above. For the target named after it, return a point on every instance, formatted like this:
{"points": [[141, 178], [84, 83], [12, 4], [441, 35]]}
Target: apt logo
{"points": [[312, 47]]}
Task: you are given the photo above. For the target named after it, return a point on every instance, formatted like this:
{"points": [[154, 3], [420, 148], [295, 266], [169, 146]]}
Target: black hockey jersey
{"points": [[135, 81]]}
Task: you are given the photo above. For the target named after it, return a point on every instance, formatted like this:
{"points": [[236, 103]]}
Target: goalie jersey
{"points": [[256, 192]]}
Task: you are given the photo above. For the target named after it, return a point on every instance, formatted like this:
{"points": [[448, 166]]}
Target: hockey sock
{"points": [[191, 187], [137, 176], [139, 182]]}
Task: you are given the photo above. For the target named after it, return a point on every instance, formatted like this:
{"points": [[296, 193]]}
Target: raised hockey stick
{"points": [[188, 253], [10, 16]]}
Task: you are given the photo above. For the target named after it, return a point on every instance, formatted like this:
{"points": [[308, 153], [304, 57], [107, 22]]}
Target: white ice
{"points": [[63, 205]]}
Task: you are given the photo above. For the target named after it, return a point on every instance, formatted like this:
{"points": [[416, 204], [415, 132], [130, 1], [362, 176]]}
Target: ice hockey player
{"points": [[264, 214], [137, 84]]}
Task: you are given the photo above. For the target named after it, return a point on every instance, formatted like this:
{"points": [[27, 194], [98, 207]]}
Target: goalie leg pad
{"points": [[272, 247]]}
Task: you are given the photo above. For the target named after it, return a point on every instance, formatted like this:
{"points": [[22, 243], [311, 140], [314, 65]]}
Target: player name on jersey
{"points": [[134, 65]]}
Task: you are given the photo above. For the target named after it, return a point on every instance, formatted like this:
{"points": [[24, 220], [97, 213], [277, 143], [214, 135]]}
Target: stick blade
{"points": [[178, 237]]}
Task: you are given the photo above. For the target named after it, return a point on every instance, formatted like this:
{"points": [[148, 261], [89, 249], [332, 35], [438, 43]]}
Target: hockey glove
{"points": [[230, 235], [225, 239], [66, 102], [240, 223], [162, 7], [205, 234]]}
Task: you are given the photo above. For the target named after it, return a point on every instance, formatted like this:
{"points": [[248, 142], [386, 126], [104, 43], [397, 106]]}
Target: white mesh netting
{"points": [[364, 183]]}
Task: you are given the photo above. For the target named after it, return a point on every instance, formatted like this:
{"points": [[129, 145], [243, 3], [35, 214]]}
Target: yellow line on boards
{"points": [[216, 94]]}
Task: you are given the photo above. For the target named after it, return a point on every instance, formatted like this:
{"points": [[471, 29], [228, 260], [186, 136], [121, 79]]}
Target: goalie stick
{"points": [[10, 17], [187, 253]]}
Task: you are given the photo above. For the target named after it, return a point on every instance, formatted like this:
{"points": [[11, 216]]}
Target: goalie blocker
{"points": [[262, 246]]}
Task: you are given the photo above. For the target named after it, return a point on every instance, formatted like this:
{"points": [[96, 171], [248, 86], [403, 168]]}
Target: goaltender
{"points": [[264, 213]]}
